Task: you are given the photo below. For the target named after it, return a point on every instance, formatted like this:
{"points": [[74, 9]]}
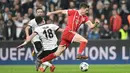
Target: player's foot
{"points": [[52, 68], [41, 69], [81, 57], [38, 64]]}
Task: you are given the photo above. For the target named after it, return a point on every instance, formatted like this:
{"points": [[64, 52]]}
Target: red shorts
{"points": [[66, 38]]}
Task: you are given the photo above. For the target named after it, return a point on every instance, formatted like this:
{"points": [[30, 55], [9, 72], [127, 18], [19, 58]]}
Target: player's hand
{"points": [[97, 21], [22, 45], [49, 13]]}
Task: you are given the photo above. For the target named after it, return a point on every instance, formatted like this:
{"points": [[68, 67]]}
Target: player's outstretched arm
{"points": [[21, 45], [91, 25], [31, 37], [27, 31], [28, 39], [57, 12], [60, 30]]}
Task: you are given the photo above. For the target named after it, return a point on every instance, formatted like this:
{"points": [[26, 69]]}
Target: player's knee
{"points": [[57, 54], [60, 50], [85, 41]]}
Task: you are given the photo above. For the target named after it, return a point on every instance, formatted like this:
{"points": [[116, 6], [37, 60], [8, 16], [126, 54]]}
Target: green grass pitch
{"points": [[115, 68]]}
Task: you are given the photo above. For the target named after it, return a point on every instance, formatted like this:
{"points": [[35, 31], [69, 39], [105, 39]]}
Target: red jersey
{"points": [[75, 20]]}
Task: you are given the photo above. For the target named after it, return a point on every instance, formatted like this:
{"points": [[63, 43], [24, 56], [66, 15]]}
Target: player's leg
{"points": [[41, 54], [63, 45], [51, 56], [44, 66], [48, 63], [37, 48], [52, 68], [65, 42], [80, 39]]}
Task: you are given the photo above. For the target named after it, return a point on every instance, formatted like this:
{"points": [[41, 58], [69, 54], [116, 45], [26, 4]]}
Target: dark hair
{"points": [[83, 5], [38, 9], [38, 19]]}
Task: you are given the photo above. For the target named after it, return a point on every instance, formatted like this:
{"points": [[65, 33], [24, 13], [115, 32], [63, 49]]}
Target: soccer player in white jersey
{"points": [[48, 38], [32, 25]]}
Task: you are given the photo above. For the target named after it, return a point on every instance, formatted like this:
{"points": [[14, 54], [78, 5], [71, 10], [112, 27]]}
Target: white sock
{"points": [[44, 67], [47, 64]]}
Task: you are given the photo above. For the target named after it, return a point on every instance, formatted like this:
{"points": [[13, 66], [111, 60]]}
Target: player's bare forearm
{"points": [[57, 12], [27, 31], [31, 37], [23, 44], [96, 23], [91, 25], [60, 30], [26, 41]]}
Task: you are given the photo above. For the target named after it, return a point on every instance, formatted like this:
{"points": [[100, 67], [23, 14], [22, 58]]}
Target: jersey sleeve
{"points": [[71, 11], [86, 19], [31, 23], [55, 27], [36, 30]]}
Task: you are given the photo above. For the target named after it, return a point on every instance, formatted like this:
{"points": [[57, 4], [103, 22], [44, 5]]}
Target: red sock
{"points": [[49, 57], [82, 47]]}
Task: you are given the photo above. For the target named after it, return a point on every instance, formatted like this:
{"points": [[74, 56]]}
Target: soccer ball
{"points": [[84, 66]]}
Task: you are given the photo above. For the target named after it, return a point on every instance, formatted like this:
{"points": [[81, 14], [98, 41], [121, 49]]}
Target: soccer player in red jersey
{"points": [[75, 19]]}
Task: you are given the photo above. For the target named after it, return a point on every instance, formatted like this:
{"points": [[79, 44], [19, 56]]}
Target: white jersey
{"points": [[33, 25], [47, 34]]}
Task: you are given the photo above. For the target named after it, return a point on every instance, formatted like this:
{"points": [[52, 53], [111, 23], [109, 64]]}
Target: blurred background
{"points": [[113, 14]]}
